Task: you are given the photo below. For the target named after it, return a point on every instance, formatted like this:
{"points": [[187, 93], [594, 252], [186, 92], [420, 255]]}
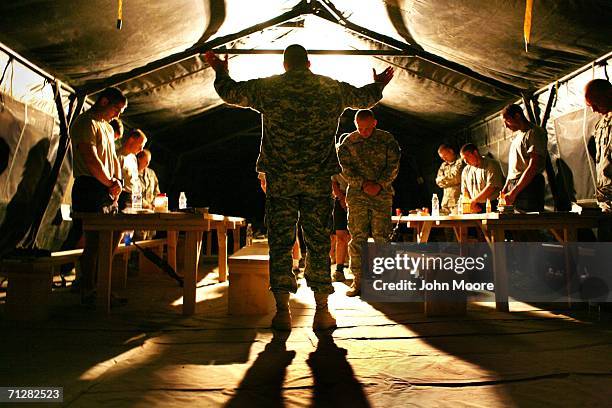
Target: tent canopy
{"points": [[454, 62]]}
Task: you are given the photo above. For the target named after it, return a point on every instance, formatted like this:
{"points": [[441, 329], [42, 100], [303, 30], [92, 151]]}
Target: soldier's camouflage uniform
{"points": [[300, 112], [449, 179], [603, 162], [150, 189], [375, 158]]}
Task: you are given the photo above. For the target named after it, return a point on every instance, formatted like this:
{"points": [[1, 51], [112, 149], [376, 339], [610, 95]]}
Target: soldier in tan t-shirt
{"points": [[482, 178], [525, 186], [97, 175]]}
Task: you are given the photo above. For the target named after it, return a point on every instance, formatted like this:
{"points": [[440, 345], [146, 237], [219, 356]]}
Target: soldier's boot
{"points": [[323, 320], [282, 318], [355, 289], [339, 273]]}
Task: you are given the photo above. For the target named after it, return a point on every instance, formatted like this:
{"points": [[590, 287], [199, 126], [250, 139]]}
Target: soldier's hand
{"points": [[475, 207], [384, 77], [215, 62], [115, 188]]}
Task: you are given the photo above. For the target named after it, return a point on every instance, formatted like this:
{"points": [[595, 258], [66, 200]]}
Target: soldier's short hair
{"points": [[364, 114], [469, 147], [295, 56], [113, 95], [144, 152], [445, 146], [117, 126], [136, 134], [511, 110], [597, 86]]}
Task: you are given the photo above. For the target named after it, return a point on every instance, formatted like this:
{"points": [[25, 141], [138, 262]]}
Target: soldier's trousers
{"points": [[314, 213], [364, 219]]}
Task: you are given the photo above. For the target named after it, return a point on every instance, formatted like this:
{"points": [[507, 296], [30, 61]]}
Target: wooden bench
{"points": [[249, 281], [30, 280]]}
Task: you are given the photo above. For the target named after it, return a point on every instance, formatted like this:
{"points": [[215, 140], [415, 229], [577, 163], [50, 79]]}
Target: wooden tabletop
{"points": [[182, 221]]}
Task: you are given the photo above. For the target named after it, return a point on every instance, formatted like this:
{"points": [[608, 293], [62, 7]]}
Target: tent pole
{"points": [[550, 171]]}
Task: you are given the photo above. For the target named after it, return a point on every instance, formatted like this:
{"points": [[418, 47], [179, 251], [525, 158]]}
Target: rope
{"points": [[119, 14]]}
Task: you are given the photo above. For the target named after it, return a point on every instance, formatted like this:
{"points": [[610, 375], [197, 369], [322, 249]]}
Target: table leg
{"points": [[569, 235], [105, 263], [423, 234], [499, 269], [236, 234], [222, 242], [172, 238], [208, 243], [192, 256]]}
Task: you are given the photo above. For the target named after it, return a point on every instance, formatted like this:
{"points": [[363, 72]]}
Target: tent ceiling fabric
{"points": [[78, 42]]}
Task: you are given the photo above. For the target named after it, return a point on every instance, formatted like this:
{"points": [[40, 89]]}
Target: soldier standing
{"points": [[449, 178], [370, 162], [300, 113]]}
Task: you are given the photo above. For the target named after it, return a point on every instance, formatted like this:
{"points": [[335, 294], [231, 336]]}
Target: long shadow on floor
{"points": [[335, 383]]}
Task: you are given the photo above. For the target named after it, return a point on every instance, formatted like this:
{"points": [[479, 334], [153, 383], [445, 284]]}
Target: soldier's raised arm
{"points": [[368, 95], [243, 93]]}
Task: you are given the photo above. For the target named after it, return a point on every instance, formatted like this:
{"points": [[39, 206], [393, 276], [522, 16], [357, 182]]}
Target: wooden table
{"points": [[172, 222], [563, 226]]}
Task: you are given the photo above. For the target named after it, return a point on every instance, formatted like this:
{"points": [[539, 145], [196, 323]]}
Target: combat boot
{"points": [[355, 289], [282, 318], [323, 320], [339, 273]]}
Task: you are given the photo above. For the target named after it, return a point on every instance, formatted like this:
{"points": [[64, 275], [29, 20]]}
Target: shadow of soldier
{"points": [[335, 384], [262, 384], [19, 211]]}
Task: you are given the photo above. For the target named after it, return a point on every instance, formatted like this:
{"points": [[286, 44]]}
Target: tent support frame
{"points": [[320, 8]]}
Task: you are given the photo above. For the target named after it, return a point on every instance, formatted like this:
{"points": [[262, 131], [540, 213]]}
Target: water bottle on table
{"points": [[435, 206], [182, 201], [136, 196]]}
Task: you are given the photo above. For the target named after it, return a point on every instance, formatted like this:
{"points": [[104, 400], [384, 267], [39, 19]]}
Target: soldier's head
{"points": [[470, 154], [598, 95], [144, 158], [134, 142], [110, 104], [447, 153], [365, 122], [295, 58], [117, 126], [514, 118]]}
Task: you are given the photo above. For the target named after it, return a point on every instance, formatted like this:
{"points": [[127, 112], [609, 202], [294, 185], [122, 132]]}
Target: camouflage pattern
{"points": [[150, 187], [375, 158], [449, 179], [300, 112], [603, 162]]}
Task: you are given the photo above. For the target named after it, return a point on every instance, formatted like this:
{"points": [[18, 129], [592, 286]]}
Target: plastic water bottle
{"points": [[182, 201], [435, 206], [460, 205], [249, 235], [136, 196]]}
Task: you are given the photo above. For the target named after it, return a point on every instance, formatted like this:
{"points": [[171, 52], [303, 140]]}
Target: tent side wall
{"points": [[29, 127]]}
